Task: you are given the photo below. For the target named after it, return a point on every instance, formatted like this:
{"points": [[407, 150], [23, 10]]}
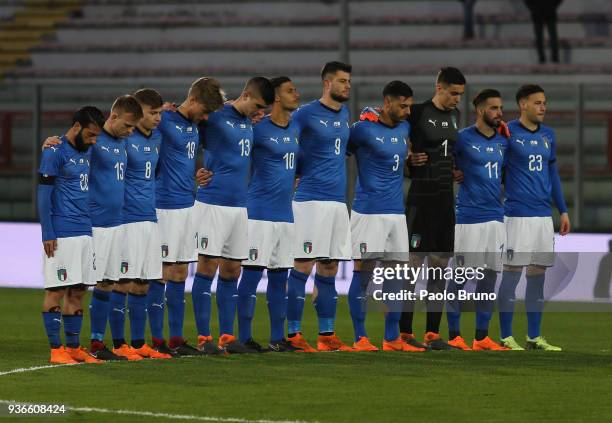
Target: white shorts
{"points": [[529, 241], [108, 243], [72, 263], [270, 244], [480, 245], [140, 257], [179, 240], [379, 233], [222, 231], [322, 230]]}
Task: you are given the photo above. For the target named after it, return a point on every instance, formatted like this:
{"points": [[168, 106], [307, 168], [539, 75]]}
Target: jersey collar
{"points": [[329, 108], [483, 135], [527, 129]]}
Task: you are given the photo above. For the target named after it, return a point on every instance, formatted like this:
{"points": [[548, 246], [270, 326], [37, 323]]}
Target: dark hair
{"points": [[88, 115], [484, 95], [127, 104], [397, 89], [263, 87], [334, 67], [279, 80], [207, 91], [526, 90], [149, 97], [450, 75]]}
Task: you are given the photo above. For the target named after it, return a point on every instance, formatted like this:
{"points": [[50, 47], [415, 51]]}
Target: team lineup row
{"points": [[118, 210]]}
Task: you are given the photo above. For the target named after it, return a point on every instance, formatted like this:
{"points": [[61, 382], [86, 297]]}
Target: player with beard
{"points": [[322, 230], [63, 207], [430, 210]]}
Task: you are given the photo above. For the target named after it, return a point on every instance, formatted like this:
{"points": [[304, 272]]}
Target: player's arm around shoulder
{"points": [[49, 170]]}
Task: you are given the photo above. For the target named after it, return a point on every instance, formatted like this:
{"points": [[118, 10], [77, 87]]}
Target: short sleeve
{"points": [[50, 161]]}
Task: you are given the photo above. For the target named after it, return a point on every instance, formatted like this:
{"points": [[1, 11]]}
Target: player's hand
{"points": [[503, 129], [457, 176], [565, 224], [51, 142], [50, 246], [417, 159], [167, 106], [203, 176]]}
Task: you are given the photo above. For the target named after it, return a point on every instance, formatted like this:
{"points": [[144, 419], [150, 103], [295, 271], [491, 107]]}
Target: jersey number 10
{"points": [[289, 160]]}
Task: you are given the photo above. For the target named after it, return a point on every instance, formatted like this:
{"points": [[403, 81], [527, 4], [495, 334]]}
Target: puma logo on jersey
{"points": [[274, 139], [381, 139], [476, 147], [323, 122], [180, 128], [433, 122], [230, 123], [521, 142], [53, 148], [105, 148], [135, 147], [73, 161]]}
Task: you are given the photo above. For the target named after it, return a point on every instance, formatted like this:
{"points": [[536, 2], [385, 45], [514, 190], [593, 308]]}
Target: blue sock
{"points": [[276, 295], [392, 319], [356, 300], [296, 295], [117, 315], [72, 329], [201, 298], [137, 306], [247, 297], [325, 303], [227, 297], [453, 310], [534, 303], [484, 308], [175, 301], [98, 313], [53, 324], [506, 298], [155, 308]]}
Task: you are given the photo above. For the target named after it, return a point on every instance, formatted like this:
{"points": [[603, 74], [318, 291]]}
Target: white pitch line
{"points": [[32, 369], [164, 415]]}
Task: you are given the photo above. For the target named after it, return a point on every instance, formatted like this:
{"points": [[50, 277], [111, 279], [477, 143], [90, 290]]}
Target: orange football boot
{"points": [[147, 352], [400, 345], [331, 343], [364, 344], [487, 344], [128, 352], [82, 355], [298, 341], [459, 342], [59, 355]]}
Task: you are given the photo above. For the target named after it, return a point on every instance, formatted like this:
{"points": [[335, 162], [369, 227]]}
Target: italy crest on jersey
{"points": [[62, 275], [363, 248], [124, 267], [253, 254], [204, 243], [308, 247], [164, 251]]}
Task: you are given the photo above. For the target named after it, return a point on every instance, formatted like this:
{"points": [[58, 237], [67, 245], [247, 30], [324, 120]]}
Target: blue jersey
{"points": [[481, 159], [70, 198], [380, 152], [106, 180], [324, 135], [275, 150], [532, 179], [143, 152], [175, 176], [227, 137]]}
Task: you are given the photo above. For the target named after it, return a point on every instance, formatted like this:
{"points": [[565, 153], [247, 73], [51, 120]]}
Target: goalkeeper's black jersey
{"points": [[435, 132]]}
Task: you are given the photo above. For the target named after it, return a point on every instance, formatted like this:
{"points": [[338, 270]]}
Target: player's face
{"points": [[492, 112], [450, 95], [339, 86], [197, 111], [123, 124], [151, 117], [399, 108], [86, 137], [254, 105], [534, 107], [289, 96]]}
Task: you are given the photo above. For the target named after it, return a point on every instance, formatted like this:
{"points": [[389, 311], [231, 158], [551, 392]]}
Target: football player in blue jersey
{"points": [[531, 182], [322, 229], [140, 255], [270, 226], [479, 231], [378, 220], [68, 259], [174, 191], [221, 210]]}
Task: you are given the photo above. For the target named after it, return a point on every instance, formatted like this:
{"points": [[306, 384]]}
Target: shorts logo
{"points": [[509, 254], [460, 260], [204, 243], [415, 241], [363, 248], [308, 247], [124, 267], [253, 253], [62, 275], [164, 251]]}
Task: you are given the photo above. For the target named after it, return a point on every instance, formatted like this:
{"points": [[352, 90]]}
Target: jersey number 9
{"points": [[337, 144]]}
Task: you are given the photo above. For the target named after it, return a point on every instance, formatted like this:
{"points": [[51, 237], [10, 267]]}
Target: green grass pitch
{"points": [[573, 385]]}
